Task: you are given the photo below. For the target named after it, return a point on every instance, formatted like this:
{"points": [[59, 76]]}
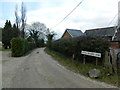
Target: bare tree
{"points": [[17, 17], [37, 33], [38, 29], [37, 26], [23, 19]]}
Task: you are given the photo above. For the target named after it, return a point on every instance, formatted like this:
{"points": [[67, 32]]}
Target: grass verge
{"points": [[20, 56], [83, 69], [5, 49]]}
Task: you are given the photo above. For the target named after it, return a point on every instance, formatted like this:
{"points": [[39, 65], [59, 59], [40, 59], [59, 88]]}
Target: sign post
{"points": [[96, 61], [84, 60], [94, 54]]}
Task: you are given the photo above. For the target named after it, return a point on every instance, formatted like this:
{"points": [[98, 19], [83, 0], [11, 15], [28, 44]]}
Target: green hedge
{"points": [[40, 43], [20, 47], [76, 45], [31, 45]]}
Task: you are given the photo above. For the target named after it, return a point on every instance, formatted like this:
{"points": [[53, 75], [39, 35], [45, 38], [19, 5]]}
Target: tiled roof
{"points": [[74, 32], [108, 31]]}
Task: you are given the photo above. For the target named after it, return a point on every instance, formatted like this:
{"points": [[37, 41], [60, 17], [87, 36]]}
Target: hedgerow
{"points": [[20, 47], [74, 46], [31, 45]]}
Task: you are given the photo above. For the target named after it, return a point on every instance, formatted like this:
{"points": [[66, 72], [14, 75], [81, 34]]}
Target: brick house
{"points": [[71, 33]]}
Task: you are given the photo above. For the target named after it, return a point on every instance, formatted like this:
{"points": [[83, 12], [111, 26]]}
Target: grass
{"points": [[83, 69], [21, 56], [5, 49]]}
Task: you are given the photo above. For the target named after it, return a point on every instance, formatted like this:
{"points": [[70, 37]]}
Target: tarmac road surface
{"points": [[39, 70]]}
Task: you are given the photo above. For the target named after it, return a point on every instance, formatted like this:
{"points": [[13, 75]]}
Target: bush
{"points": [[31, 45], [40, 43], [76, 45], [20, 47]]}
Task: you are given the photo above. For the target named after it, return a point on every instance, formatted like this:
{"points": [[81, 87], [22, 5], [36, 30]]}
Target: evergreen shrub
{"points": [[20, 47], [74, 46]]}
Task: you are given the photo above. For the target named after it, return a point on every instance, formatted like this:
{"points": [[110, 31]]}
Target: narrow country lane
{"points": [[39, 70]]}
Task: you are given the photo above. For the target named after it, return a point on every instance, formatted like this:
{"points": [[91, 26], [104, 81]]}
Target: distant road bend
{"points": [[39, 70]]}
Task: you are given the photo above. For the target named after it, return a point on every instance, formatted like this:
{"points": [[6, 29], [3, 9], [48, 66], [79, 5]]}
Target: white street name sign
{"points": [[94, 54]]}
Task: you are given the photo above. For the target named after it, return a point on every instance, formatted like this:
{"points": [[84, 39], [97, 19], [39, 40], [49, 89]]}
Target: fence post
{"points": [[114, 60], [96, 61]]}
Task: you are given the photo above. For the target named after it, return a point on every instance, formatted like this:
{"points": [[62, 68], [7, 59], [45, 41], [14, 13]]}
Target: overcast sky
{"points": [[90, 14]]}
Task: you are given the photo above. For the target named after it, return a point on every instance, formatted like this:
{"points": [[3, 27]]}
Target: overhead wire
{"points": [[74, 10], [112, 19], [116, 26], [67, 15]]}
